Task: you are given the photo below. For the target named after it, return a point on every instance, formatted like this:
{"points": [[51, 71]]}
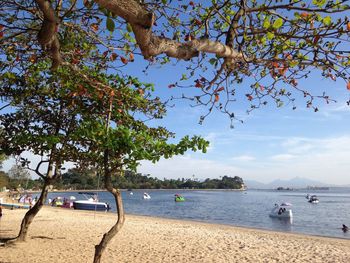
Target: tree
{"points": [[115, 136], [19, 174], [269, 45], [44, 118], [4, 180]]}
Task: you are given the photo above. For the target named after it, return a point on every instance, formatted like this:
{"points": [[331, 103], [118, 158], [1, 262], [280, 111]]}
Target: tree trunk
{"points": [[29, 216], [99, 249]]}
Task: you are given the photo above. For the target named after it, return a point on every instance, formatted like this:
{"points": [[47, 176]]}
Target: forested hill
{"points": [[73, 179]]}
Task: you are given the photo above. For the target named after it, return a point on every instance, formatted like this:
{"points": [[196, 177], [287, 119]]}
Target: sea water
{"points": [[249, 208]]}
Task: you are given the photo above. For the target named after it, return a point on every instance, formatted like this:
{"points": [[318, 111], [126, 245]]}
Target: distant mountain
{"points": [[296, 182], [251, 184]]}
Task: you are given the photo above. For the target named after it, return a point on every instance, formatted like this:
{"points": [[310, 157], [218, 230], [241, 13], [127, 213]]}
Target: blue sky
{"points": [[272, 143]]}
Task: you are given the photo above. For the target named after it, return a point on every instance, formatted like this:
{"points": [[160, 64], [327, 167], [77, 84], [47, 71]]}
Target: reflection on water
{"points": [[250, 209]]}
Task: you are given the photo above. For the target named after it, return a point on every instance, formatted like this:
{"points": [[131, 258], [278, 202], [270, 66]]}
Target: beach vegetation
{"points": [[76, 179], [270, 46]]}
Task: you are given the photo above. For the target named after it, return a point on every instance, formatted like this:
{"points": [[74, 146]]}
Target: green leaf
{"points": [[278, 23], [212, 61], [110, 24], [270, 35], [319, 3], [266, 23], [128, 28], [327, 20]]}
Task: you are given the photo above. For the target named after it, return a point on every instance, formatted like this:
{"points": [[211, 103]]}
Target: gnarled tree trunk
{"points": [[29, 216], [119, 224]]}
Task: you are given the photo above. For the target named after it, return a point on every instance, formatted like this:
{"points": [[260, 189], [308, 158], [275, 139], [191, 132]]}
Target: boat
{"points": [[57, 201], [179, 198], [282, 211], [313, 199], [146, 196], [91, 203], [68, 203], [13, 206]]}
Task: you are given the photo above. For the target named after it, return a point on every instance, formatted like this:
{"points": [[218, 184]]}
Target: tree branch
{"points": [[47, 35], [141, 22]]}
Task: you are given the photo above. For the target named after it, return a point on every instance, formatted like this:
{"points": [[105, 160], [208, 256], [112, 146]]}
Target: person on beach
{"points": [[345, 228]]}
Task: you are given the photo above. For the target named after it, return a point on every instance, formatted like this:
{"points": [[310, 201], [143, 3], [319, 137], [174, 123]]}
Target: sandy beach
{"points": [[63, 235]]}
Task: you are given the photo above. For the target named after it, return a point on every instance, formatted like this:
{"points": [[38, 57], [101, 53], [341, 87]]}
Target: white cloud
{"points": [[282, 157], [244, 158]]}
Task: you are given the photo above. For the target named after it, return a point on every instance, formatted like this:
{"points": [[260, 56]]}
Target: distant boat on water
{"points": [[179, 198], [283, 210], [313, 199], [146, 196]]}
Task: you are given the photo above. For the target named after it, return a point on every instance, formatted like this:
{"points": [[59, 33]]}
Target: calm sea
{"points": [[250, 208]]}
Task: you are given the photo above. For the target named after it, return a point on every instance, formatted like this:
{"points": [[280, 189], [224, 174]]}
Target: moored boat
{"points": [[179, 198], [91, 203], [313, 199], [13, 206], [146, 196], [283, 210]]}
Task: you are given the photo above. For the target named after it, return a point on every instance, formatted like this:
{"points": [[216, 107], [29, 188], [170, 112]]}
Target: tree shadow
{"points": [[4, 241], [41, 237]]}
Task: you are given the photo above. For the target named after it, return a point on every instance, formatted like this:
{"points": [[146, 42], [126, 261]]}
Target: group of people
{"points": [[281, 210]]}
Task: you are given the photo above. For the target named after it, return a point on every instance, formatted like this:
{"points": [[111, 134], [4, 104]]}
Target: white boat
{"points": [[313, 199], [91, 203], [283, 210], [146, 196]]}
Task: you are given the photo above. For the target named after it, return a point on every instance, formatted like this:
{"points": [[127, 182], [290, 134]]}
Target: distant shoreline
{"points": [[126, 190]]}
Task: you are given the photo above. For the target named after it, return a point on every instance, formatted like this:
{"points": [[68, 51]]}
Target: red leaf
{"points": [[32, 58], [113, 56], [275, 64], [220, 89], [348, 85], [188, 37], [94, 27], [124, 60], [304, 15], [348, 26], [217, 97], [131, 57], [171, 86], [316, 39], [198, 85]]}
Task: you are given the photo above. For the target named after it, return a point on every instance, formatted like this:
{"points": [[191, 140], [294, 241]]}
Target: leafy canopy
{"points": [[270, 46]]}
